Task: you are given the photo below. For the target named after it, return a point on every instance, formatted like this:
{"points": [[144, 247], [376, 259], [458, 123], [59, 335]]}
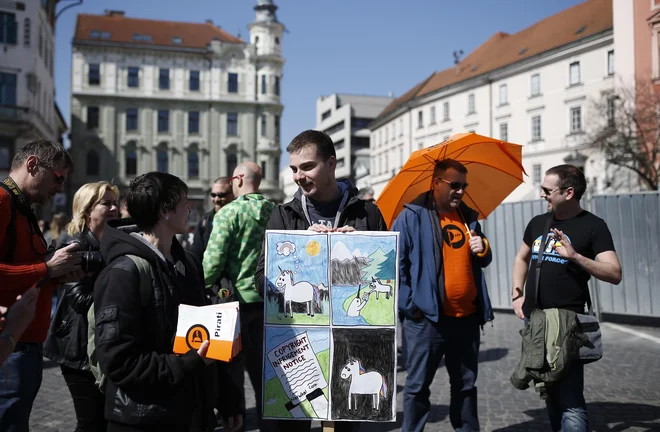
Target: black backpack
{"points": [[10, 235]]}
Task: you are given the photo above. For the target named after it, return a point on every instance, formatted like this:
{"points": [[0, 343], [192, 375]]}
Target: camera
{"points": [[90, 261]]}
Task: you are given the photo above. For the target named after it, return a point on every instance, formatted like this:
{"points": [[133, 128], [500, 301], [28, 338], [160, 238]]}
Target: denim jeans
{"points": [[20, 379], [565, 404], [457, 340]]}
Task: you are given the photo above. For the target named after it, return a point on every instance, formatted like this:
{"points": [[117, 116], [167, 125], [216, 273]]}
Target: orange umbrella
{"points": [[494, 171]]}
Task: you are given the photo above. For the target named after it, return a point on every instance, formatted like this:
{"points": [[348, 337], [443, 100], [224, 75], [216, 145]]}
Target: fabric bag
{"points": [[589, 325]]}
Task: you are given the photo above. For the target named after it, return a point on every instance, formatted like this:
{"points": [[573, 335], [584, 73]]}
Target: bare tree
{"points": [[627, 130]]}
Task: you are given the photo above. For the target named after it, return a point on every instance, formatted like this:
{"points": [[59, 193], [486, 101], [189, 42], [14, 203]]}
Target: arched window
{"points": [[131, 161], [232, 160], [193, 165], [162, 160], [93, 163]]}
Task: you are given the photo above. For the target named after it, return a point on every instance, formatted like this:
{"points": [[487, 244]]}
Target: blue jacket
{"points": [[419, 255]]}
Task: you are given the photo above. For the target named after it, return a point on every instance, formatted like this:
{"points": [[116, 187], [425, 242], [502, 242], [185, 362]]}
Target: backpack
{"points": [[146, 278], [10, 236]]}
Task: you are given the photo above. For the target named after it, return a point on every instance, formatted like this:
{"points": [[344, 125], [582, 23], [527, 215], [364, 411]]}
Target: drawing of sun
{"points": [[313, 248]]}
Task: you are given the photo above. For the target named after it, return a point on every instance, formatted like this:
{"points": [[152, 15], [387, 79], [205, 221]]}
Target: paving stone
{"points": [[622, 390]]}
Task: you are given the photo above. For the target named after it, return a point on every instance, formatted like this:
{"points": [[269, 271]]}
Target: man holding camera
{"points": [[37, 173]]}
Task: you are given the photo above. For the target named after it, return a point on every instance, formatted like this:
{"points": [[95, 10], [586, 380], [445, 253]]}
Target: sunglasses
{"points": [[549, 192], [59, 177], [236, 177], [454, 185], [219, 195]]}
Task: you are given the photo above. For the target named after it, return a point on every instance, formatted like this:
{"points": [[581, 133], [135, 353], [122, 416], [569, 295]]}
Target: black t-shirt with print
{"points": [[563, 283], [324, 213]]}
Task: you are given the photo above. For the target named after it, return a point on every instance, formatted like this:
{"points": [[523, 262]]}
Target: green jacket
{"points": [[560, 328], [235, 244]]}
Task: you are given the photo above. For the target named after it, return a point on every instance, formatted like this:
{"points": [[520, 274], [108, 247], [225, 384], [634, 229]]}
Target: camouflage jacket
{"points": [[235, 244]]}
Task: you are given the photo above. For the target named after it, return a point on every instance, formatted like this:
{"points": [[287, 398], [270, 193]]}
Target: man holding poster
{"points": [[322, 204]]}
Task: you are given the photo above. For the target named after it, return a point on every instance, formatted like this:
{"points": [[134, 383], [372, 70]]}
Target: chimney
{"points": [[114, 13], [209, 21]]}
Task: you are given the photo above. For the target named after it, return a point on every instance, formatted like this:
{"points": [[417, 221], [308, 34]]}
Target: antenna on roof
{"points": [[238, 35], [457, 56]]}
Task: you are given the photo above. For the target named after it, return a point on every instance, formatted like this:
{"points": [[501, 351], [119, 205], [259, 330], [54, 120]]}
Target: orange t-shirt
{"points": [[460, 289]]}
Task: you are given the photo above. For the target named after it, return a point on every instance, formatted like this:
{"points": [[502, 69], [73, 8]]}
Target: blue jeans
{"points": [[566, 407], [457, 340], [20, 379]]}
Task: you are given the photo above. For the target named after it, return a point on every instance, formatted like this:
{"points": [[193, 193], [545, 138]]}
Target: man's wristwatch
{"points": [[11, 340]]}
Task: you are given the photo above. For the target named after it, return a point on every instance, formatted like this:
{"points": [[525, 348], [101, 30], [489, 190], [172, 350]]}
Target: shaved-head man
{"points": [[221, 195], [233, 249]]}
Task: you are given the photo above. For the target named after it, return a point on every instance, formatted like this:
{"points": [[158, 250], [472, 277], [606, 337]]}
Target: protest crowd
{"points": [[99, 293]]}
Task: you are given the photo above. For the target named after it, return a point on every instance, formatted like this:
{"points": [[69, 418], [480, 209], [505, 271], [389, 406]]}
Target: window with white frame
{"points": [[420, 119], [471, 108], [535, 82], [611, 111], [536, 174], [504, 131], [432, 121], [574, 73], [445, 111], [536, 128], [401, 127], [610, 62], [576, 119], [504, 97]]}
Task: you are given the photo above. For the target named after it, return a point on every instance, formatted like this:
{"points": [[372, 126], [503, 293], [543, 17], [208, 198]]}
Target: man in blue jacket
{"points": [[442, 296]]}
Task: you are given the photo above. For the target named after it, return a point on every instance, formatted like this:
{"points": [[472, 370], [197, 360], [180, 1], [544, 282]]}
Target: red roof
{"points": [[115, 27], [502, 49]]}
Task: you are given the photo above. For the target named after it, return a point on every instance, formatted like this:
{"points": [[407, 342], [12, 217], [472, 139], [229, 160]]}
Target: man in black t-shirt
{"points": [[579, 246]]}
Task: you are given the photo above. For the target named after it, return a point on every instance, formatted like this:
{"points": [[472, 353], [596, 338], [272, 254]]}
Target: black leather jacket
{"points": [[66, 342]]}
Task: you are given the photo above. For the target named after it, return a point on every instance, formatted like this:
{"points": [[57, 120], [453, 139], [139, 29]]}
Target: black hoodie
{"points": [[147, 383]]}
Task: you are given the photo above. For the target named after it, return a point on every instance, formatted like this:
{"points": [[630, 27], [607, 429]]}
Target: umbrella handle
{"points": [[469, 232]]}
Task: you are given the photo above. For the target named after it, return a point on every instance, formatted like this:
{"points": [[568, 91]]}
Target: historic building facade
{"points": [[184, 98]]}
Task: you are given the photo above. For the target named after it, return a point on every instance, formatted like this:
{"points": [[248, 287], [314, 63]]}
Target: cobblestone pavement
{"points": [[622, 390]]}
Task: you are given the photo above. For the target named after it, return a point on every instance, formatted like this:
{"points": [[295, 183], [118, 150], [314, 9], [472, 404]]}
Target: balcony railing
{"points": [[13, 113]]}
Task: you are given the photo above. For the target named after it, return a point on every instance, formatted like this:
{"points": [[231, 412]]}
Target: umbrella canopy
{"points": [[494, 171]]}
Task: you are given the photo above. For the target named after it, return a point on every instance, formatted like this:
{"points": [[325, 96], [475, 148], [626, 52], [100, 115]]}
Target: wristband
{"points": [[516, 298], [11, 340]]}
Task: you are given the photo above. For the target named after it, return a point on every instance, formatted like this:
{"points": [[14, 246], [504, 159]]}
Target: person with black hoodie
{"points": [[322, 204], [149, 387]]}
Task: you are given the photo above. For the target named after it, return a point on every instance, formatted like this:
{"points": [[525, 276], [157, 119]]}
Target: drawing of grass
{"points": [[376, 312], [275, 398]]}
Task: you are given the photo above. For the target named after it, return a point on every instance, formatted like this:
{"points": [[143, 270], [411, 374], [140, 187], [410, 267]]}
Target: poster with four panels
{"points": [[330, 325]]}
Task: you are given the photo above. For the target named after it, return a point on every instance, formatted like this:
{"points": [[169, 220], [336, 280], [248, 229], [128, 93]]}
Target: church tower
{"points": [[266, 37]]}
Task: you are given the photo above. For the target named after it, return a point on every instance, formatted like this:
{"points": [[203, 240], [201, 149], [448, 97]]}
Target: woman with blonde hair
{"points": [[93, 205]]}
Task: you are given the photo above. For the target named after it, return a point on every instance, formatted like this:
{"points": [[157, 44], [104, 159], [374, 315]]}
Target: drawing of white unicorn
{"points": [[299, 292], [357, 304], [362, 382], [379, 287]]}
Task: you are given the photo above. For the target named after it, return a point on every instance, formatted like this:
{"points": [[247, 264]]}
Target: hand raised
{"points": [[562, 245]]}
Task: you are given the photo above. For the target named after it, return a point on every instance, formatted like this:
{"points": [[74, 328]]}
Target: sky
{"points": [[340, 46]]}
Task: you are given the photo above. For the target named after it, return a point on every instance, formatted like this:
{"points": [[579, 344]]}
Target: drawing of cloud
{"points": [[286, 248]]}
